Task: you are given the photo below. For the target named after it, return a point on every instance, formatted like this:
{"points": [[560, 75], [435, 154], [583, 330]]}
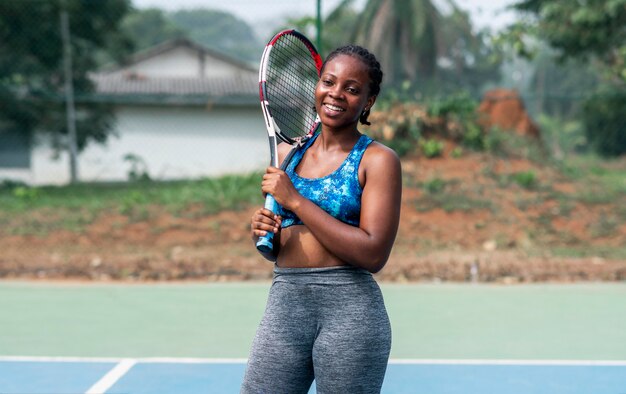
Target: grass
{"points": [[606, 252], [447, 195], [604, 180], [38, 210], [599, 184]]}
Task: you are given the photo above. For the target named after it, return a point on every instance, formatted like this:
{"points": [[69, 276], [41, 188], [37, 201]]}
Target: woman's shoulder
{"points": [[378, 152]]}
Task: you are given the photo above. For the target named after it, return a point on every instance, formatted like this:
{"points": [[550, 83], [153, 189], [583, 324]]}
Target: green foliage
{"points": [[138, 168], [606, 226], [43, 209], [458, 112], [446, 195], [406, 127], [214, 29], [431, 148], [434, 186], [604, 181], [605, 123], [562, 136], [579, 29], [31, 64], [26, 193], [336, 27], [401, 146], [415, 42], [494, 141], [557, 85], [403, 34], [452, 201], [589, 32], [474, 138], [219, 30], [460, 105], [509, 144], [453, 118], [526, 179], [149, 27]]}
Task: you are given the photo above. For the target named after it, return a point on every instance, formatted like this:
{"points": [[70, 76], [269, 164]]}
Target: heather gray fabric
{"points": [[327, 324]]}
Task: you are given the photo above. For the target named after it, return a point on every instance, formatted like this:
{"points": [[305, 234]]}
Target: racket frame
{"points": [[265, 244]]}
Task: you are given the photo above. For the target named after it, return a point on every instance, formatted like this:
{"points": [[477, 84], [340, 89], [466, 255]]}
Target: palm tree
{"points": [[404, 34]]}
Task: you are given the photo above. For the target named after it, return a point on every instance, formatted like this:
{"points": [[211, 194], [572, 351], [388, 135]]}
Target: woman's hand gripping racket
{"points": [[289, 71]]}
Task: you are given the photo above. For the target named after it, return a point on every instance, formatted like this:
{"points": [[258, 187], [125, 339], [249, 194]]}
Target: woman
{"points": [[340, 196]]}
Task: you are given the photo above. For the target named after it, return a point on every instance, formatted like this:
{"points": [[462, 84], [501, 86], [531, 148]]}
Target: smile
{"points": [[334, 108]]}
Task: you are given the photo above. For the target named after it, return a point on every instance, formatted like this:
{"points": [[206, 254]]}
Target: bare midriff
{"points": [[300, 249]]}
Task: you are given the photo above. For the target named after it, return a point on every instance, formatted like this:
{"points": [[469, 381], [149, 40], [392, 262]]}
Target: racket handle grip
{"points": [[265, 244]]}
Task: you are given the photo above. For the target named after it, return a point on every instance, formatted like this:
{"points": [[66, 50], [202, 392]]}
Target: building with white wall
{"points": [[184, 110]]}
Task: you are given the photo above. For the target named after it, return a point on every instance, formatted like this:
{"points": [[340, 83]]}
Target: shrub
{"points": [[431, 148], [473, 137], [605, 124], [526, 179], [460, 104], [434, 185], [457, 152]]}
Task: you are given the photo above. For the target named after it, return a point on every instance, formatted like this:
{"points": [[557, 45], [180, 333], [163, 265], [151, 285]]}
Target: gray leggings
{"points": [[327, 324]]}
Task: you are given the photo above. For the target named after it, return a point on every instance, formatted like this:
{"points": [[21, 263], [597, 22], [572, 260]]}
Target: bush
{"points": [[434, 186], [454, 116], [460, 104], [431, 148], [562, 136], [474, 138], [401, 146], [526, 179], [605, 123]]}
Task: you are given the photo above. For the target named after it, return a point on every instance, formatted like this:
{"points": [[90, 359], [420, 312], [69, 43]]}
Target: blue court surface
{"points": [[67, 338], [21, 375]]}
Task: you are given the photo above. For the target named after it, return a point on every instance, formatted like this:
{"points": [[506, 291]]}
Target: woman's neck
{"points": [[330, 140]]}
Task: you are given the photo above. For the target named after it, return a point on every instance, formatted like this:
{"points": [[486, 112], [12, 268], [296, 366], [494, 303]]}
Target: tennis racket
{"points": [[288, 73]]}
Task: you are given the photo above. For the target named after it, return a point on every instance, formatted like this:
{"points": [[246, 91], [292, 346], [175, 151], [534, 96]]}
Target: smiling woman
{"points": [[340, 197]]}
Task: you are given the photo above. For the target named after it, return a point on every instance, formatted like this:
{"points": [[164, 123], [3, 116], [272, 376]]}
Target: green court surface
{"points": [[429, 321]]}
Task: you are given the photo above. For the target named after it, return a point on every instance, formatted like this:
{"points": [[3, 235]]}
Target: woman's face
{"points": [[342, 92]]}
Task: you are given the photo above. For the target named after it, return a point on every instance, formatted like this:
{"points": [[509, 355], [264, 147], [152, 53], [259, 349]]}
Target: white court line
{"points": [[409, 361], [108, 380], [51, 359], [507, 362], [174, 360]]}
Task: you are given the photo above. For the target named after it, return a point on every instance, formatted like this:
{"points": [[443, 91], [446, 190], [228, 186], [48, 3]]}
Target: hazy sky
{"points": [[485, 13]]}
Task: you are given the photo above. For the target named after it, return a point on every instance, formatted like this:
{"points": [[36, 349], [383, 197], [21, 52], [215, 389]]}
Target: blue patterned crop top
{"points": [[338, 193]]}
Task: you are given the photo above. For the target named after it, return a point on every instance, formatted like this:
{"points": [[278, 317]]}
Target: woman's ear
{"points": [[370, 102]]}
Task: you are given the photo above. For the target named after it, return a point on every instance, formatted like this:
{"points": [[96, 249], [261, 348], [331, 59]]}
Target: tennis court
{"points": [[190, 338]]}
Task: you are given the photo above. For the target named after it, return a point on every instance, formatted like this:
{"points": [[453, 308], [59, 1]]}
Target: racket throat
{"points": [[273, 151]]}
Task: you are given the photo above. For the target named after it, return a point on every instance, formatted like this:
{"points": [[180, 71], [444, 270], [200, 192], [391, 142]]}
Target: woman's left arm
{"points": [[369, 245]]}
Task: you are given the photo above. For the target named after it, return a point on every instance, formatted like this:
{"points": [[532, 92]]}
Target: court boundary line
{"points": [[394, 361], [111, 377]]}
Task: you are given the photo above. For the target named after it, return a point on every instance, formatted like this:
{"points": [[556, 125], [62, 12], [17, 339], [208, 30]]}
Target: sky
{"points": [[485, 13]]}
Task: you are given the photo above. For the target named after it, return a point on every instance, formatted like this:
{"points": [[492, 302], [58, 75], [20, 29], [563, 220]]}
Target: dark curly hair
{"points": [[368, 58]]}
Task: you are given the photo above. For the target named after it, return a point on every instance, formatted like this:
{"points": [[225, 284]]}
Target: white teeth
{"points": [[334, 108]]}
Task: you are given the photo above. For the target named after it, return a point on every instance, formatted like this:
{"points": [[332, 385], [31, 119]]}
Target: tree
{"points": [[578, 29], [150, 27], [558, 85], [421, 49], [585, 30], [337, 29], [404, 34], [467, 59], [214, 29], [219, 30], [31, 65]]}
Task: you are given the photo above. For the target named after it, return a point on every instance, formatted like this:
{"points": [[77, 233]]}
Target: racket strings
{"points": [[290, 82]]}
